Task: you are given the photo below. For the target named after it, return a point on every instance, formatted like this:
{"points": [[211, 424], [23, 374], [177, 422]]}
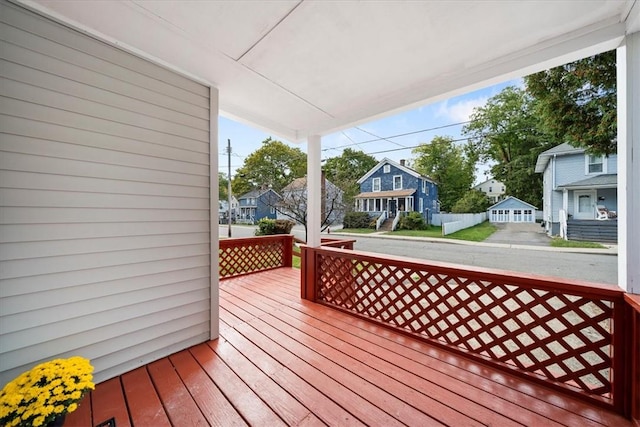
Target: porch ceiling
{"points": [[298, 68]]}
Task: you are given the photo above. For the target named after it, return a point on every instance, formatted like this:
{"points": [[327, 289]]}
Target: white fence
{"points": [[455, 222]]}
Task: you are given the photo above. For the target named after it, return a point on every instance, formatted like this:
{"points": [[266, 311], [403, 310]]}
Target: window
{"points": [[490, 189], [375, 185], [425, 187], [421, 204], [594, 164], [397, 182], [386, 168], [273, 210]]}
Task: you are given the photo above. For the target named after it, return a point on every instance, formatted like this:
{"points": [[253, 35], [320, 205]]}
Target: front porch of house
{"points": [[343, 342]]}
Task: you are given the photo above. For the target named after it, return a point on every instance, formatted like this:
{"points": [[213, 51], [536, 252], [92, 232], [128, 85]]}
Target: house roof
{"points": [[502, 202], [301, 183], [299, 68], [256, 193], [559, 150], [600, 181], [397, 165], [393, 193]]}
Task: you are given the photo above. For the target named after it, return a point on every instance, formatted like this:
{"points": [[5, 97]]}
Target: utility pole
{"points": [[229, 189]]}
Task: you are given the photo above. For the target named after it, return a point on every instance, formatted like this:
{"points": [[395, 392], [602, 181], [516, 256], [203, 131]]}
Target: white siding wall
{"points": [[104, 202]]}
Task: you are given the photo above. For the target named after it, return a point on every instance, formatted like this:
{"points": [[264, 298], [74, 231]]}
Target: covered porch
{"points": [[283, 359]]}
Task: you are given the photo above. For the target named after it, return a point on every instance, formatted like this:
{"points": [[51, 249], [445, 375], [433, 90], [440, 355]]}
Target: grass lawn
{"points": [[558, 242], [476, 233], [296, 262]]}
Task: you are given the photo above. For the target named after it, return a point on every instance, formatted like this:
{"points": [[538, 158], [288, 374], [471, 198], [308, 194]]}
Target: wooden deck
{"points": [[281, 360]]}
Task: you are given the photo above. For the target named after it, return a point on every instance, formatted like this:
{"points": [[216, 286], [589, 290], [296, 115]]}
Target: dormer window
{"points": [[386, 168], [397, 182], [595, 164]]}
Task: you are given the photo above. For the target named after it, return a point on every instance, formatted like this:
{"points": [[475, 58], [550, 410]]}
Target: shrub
{"points": [[357, 220], [412, 221], [267, 226]]}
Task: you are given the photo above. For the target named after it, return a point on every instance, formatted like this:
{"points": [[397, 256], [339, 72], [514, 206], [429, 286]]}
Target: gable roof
{"points": [[501, 202], [256, 193], [559, 150], [395, 164]]}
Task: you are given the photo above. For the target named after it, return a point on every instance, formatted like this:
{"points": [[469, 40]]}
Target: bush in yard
{"points": [[267, 227], [412, 221], [473, 201], [356, 220]]}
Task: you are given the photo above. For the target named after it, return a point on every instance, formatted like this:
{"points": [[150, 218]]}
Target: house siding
{"points": [[104, 202]]}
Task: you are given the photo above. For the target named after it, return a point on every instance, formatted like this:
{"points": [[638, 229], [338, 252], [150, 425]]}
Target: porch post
{"points": [[314, 190], [628, 60], [214, 292]]}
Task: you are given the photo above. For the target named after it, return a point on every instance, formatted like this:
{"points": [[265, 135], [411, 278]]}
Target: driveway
{"points": [[519, 234]]}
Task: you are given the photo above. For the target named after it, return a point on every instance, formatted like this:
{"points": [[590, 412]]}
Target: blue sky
{"points": [[246, 139]]}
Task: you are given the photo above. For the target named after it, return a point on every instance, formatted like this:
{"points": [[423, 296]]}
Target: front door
{"points": [[392, 208], [584, 204]]}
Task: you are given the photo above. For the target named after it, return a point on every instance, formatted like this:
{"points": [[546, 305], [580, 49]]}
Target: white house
{"points": [[493, 188], [577, 183]]}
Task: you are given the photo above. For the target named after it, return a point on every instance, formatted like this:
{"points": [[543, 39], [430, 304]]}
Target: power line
{"points": [[377, 136]]}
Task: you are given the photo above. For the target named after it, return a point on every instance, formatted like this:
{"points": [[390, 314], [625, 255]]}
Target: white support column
{"points": [[314, 190], [628, 58], [213, 215]]}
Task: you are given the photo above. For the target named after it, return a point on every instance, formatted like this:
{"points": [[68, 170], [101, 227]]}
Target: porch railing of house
{"points": [[253, 254], [382, 218], [573, 336], [396, 220]]}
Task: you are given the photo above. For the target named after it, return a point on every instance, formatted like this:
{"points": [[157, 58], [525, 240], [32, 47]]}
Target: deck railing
{"points": [[252, 254], [570, 335]]}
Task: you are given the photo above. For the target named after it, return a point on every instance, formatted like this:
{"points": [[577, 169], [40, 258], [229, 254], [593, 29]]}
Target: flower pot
{"points": [[57, 422]]}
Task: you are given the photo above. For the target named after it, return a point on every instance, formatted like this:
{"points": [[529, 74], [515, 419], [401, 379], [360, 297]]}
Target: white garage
{"points": [[512, 209]]}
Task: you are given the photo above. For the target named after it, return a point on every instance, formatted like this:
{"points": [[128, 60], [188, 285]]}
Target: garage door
{"points": [[104, 201]]}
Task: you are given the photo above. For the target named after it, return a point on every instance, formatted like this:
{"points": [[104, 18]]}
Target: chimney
{"points": [[402, 162]]}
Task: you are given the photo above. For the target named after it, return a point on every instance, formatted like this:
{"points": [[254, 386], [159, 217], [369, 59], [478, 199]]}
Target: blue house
{"points": [[257, 204], [579, 188], [391, 188]]}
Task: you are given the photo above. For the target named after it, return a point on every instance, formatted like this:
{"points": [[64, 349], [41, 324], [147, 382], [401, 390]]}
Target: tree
{"points": [[293, 204], [274, 165], [506, 131], [451, 166], [345, 171], [223, 186], [473, 201], [576, 102]]}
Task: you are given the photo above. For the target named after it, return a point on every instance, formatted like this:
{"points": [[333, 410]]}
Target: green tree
{"points": [[576, 102], [345, 171], [223, 186], [450, 165], [473, 201], [506, 132], [274, 165]]}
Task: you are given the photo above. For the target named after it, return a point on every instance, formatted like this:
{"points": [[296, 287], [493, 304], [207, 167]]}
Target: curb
{"points": [[610, 249]]}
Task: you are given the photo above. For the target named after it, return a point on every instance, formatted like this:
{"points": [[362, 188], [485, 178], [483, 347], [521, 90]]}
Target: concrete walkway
{"points": [[514, 236]]}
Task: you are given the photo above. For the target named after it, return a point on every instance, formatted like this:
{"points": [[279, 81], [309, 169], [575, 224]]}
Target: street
{"points": [[590, 267]]}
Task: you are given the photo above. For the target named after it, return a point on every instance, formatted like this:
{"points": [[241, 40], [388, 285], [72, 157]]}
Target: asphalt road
{"points": [[590, 267]]}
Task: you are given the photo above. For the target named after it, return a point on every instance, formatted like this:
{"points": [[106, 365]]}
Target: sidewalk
{"points": [[610, 249]]}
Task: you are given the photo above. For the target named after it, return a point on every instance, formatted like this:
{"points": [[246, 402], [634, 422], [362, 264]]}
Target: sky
{"points": [[450, 113]]}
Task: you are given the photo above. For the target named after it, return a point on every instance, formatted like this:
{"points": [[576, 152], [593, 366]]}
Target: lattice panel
{"points": [[247, 258], [561, 337]]}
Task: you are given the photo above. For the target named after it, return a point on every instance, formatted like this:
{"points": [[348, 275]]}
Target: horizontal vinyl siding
{"points": [[104, 202]]}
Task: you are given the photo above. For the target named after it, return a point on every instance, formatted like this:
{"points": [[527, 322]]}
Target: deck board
{"points": [[281, 360]]}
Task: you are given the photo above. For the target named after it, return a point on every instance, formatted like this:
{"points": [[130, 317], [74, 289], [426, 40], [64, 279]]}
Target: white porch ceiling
{"points": [[299, 68]]}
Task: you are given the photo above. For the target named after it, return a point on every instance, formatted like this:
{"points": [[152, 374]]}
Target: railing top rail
{"points": [[526, 280], [235, 241]]}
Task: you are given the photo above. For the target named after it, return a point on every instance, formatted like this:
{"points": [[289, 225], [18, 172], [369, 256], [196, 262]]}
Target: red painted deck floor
{"points": [[284, 361]]}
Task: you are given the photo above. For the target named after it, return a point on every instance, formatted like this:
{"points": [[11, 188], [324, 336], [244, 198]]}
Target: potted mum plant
{"points": [[44, 395]]}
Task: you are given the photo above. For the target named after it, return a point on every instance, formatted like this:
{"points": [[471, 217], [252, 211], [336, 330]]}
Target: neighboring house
{"points": [[293, 204], [493, 188], [512, 209], [391, 188], [257, 204], [223, 209], [582, 185]]}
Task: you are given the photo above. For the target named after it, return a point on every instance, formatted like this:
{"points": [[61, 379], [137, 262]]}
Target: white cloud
{"points": [[460, 111]]}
